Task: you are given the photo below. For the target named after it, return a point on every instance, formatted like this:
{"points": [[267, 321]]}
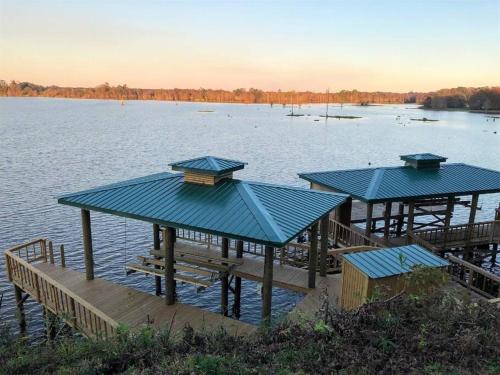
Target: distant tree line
{"points": [[241, 95], [481, 99]]}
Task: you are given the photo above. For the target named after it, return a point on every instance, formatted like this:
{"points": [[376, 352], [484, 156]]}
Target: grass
{"points": [[440, 333]]}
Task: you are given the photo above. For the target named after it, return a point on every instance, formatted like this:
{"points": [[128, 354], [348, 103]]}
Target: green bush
{"points": [[438, 333]]}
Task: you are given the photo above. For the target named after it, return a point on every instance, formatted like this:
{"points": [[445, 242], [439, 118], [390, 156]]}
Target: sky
{"points": [[418, 45]]}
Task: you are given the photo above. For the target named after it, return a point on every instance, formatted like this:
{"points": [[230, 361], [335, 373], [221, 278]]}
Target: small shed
{"points": [[364, 274]]}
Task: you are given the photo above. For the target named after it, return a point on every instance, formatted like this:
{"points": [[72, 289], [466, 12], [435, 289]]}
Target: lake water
{"points": [[52, 146]]}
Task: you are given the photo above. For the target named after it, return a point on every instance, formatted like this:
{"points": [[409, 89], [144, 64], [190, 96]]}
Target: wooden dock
{"points": [[135, 308], [97, 307]]}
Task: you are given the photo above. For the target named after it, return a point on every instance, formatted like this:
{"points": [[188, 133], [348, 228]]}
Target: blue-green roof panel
{"points": [[393, 261], [262, 213], [210, 165], [402, 183]]}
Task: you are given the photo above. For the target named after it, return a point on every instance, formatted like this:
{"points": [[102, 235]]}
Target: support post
{"points": [[411, 217], [473, 208], [369, 215], [325, 222], [450, 202], [156, 246], [87, 245], [20, 309], [168, 248], [224, 293], [237, 283], [267, 286], [344, 212], [401, 216], [468, 250], [387, 219], [313, 256]]}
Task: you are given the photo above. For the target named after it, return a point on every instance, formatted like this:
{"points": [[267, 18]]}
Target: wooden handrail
{"points": [[474, 268], [55, 296], [475, 278]]}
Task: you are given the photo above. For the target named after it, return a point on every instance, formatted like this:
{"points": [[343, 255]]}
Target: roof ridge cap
{"points": [[263, 217], [376, 180], [211, 160], [290, 187]]}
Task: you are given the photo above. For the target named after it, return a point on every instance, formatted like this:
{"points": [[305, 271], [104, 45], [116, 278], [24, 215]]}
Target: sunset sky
{"points": [[309, 45]]}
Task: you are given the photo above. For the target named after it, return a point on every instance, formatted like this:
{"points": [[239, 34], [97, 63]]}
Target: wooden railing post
{"points": [[51, 253], [63, 256]]}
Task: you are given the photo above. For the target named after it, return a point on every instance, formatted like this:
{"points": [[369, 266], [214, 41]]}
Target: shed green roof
{"points": [[393, 261], [209, 165], [263, 213], [377, 185]]}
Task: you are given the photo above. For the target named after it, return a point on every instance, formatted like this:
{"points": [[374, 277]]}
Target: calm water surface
{"points": [[52, 146]]}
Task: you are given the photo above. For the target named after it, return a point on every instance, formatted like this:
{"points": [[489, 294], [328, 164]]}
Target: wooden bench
{"points": [[135, 267]]}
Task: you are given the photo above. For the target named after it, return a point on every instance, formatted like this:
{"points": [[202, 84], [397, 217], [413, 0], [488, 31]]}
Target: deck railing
{"points": [[56, 297], [475, 278], [343, 235], [488, 231], [295, 254]]}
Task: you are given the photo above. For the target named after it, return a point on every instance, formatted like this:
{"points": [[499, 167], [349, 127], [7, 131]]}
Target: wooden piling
{"points": [[313, 256], [18, 293], [324, 226], [224, 293], [168, 248], [87, 245], [156, 246], [267, 286], [237, 283]]}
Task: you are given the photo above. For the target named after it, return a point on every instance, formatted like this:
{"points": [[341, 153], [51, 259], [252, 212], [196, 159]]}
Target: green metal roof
{"points": [[402, 183], [257, 212], [393, 261], [209, 165]]}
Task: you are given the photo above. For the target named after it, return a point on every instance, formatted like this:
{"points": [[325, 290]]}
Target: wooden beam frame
{"points": [[324, 227], [168, 248], [267, 285], [87, 245], [313, 256]]}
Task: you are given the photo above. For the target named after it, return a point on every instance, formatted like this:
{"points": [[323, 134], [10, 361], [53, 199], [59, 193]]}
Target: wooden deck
{"points": [[135, 308], [97, 307]]}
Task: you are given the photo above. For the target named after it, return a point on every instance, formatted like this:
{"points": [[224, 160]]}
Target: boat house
{"points": [[203, 203], [414, 200]]}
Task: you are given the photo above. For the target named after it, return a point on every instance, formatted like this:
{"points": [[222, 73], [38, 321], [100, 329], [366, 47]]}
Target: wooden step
{"points": [[156, 272], [158, 262]]}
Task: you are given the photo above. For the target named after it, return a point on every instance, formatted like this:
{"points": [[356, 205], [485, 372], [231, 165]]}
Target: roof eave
{"points": [[271, 243]]}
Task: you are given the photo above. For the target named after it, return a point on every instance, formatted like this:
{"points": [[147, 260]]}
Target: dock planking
{"points": [[135, 308]]}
